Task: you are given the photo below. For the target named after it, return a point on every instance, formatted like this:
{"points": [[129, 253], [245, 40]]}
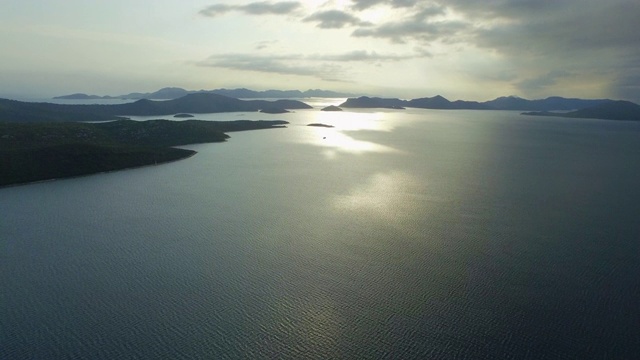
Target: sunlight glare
{"points": [[387, 196], [334, 4], [374, 15], [353, 121], [336, 139]]}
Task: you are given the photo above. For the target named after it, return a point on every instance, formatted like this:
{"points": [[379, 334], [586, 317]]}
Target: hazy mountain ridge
{"points": [[501, 103], [18, 111], [169, 93], [614, 110], [552, 103], [205, 102]]}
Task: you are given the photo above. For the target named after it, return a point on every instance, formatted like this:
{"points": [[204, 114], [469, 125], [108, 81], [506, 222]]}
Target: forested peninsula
{"points": [[42, 141], [42, 151]]}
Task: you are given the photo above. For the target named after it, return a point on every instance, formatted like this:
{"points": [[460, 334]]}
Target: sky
{"points": [[460, 49]]}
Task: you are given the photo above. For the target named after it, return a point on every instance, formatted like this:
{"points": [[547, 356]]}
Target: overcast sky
{"points": [[461, 49]]}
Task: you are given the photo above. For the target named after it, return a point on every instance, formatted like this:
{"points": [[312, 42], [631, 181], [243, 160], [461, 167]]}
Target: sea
{"points": [[396, 234]]}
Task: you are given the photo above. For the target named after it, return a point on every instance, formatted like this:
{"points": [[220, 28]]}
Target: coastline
{"points": [[33, 153], [193, 153]]}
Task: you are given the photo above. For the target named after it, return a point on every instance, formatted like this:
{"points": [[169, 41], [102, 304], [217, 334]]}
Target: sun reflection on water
{"points": [[352, 121], [335, 141], [336, 138], [388, 196]]}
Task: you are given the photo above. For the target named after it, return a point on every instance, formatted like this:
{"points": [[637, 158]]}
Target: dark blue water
{"points": [[415, 234]]}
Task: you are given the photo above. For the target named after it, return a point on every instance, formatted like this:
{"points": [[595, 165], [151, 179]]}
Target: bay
{"points": [[396, 234]]}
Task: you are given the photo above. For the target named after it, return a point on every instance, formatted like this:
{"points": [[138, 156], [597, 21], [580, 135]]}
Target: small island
{"points": [[331, 108], [321, 125], [182, 116], [274, 110]]}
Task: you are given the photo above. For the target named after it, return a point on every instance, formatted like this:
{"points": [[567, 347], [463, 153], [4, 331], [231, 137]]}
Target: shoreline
{"points": [[100, 172], [65, 150]]}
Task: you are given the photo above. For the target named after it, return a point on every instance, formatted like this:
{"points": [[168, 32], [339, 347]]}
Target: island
{"points": [[274, 110], [183, 116], [372, 102], [43, 151], [321, 125], [614, 110], [331, 108]]}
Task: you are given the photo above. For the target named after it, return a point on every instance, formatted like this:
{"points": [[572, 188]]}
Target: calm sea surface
{"points": [[410, 234]]}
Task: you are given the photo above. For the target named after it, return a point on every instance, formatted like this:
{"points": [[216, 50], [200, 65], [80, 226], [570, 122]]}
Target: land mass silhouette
{"points": [[33, 151], [320, 125], [12, 110], [614, 110], [553, 103], [501, 103], [605, 109], [242, 93]]}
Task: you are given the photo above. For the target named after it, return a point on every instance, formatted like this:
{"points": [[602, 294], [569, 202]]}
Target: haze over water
{"points": [[396, 234]]}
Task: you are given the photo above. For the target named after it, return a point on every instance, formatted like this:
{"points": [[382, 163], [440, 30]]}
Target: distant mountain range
{"points": [[612, 110], [501, 103], [169, 93], [554, 103], [13, 111], [208, 102]]}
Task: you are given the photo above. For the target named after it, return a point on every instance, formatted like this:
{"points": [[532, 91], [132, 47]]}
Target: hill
{"points": [[373, 102]]}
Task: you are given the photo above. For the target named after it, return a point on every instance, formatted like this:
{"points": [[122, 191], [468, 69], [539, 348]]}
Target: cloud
{"points": [[544, 44], [543, 81], [511, 26], [269, 64], [423, 31], [261, 45], [587, 39], [365, 56], [535, 45], [608, 26], [627, 83], [424, 23], [281, 65], [509, 9], [429, 11], [280, 8], [335, 19], [366, 4], [215, 10], [327, 67], [255, 8]]}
